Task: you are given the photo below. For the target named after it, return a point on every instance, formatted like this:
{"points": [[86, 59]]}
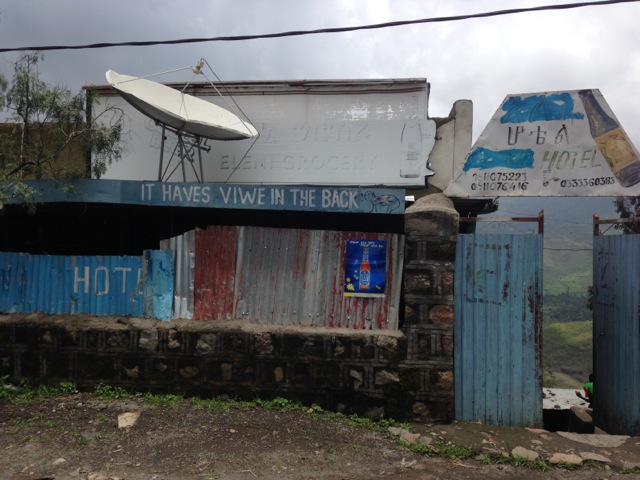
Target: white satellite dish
{"points": [[184, 113], [189, 117]]}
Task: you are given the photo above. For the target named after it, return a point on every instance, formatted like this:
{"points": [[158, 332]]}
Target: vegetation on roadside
{"points": [[26, 393]]}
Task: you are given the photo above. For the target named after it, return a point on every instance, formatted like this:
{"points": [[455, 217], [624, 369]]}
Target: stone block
{"points": [[148, 340], [234, 343], [441, 314], [206, 344], [264, 344], [117, 341]]}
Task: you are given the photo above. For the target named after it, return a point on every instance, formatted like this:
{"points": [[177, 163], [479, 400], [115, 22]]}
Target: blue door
{"points": [[497, 329]]}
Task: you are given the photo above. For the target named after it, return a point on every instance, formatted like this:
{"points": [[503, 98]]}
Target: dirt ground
{"points": [[78, 437]]}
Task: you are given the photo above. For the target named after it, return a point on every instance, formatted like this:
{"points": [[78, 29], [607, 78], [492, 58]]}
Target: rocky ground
{"points": [[85, 436]]}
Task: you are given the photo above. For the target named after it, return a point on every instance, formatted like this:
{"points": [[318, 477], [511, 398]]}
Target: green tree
{"points": [[628, 207], [50, 132]]}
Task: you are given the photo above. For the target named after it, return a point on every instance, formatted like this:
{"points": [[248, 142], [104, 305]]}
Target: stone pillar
{"points": [[431, 231]]}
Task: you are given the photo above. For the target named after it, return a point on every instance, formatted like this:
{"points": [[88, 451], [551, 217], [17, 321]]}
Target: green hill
{"points": [[567, 356]]}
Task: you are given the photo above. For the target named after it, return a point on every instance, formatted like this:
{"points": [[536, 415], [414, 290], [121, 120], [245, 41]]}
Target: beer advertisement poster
{"points": [[366, 268], [566, 144]]}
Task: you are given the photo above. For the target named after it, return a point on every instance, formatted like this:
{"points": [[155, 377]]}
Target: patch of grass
{"points": [[279, 403], [108, 392], [632, 471], [162, 400], [25, 392], [420, 448], [452, 451]]}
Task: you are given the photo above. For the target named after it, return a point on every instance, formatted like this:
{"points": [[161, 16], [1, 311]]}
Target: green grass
{"points": [[567, 353]]}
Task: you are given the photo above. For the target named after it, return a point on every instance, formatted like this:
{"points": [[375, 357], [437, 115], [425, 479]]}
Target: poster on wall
{"points": [[366, 268], [566, 143]]}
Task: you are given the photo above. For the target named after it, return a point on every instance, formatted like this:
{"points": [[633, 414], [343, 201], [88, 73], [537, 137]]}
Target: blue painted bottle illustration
{"points": [[612, 141], [365, 270]]}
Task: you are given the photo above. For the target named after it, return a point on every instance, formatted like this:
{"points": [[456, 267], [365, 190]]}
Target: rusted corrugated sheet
{"points": [[100, 285], [214, 272], [184, 251], [287, 276], [497, 350], [616, 333]]}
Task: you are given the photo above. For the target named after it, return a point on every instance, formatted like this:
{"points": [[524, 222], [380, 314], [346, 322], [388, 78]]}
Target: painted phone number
{"points": [[587, 182], [500, 181]]}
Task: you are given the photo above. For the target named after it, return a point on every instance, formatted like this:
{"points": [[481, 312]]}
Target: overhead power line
{"points": [[297, 33]]}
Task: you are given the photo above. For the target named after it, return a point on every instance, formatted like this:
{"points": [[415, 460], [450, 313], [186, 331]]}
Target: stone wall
{"points": [[406, 374], [431, 229]]}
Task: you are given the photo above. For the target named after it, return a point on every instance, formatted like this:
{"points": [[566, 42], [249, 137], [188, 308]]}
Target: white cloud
{"points": [[480, 59]]}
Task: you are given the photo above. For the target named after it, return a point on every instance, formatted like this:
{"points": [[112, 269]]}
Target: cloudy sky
{"points": [[478, 59]]}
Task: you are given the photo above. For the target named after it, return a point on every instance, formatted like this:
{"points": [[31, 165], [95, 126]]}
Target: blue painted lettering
{"points": [[483, 159], [556, 106]]}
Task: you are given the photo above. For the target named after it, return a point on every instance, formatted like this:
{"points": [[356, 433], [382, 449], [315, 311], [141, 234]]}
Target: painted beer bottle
{"points": [[365, 270], [612, 141]]}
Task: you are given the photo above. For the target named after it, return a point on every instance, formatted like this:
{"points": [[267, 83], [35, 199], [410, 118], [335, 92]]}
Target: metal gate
{"points": [[497, 329], [616, 332]]}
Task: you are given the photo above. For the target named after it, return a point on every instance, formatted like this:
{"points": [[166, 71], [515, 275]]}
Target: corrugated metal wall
{"points": [[215, 272], [184, 251], [71, 284], [270, 275], [616, 333], [287, 276], [497, 329]]}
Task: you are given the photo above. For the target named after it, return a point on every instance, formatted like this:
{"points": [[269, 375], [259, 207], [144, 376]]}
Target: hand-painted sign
{"points": [[366, 268], [208, 195], [343, 133], [550, 144]]}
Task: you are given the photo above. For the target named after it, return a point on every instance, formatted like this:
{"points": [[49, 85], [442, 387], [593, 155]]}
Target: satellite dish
{"points": [[189, 117], [180, 111]]}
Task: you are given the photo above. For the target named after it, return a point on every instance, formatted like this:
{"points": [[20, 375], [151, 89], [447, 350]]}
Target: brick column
{"points": [[431, 230]]}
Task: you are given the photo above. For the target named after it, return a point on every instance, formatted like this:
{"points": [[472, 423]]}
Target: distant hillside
{"points": [[568, 235], [567, 357]]}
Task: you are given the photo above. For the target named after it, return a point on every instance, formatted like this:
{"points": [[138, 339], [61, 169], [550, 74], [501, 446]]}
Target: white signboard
{"points": [[334, 138], [550, 144]]}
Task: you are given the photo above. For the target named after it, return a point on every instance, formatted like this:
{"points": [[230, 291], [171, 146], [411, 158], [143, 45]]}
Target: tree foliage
{"points": [[628, 207], [566, 307], [50, 132]]}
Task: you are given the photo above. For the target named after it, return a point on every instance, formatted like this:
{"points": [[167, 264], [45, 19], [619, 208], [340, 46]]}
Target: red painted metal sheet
{"points": [[288, 276], [214, 273]]}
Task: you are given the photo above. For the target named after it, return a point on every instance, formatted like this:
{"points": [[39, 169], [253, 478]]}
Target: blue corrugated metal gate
{"points": [[497, 329], [616, 333]]}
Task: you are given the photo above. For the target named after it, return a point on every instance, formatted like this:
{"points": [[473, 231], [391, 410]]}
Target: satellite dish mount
{"points": [[192, 119]]}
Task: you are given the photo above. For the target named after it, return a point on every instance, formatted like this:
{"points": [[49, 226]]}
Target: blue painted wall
{"points": [[98, 285]]}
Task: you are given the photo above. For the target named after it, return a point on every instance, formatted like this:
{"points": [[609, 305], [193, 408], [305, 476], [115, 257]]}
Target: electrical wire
{"points": [[297, 33]]}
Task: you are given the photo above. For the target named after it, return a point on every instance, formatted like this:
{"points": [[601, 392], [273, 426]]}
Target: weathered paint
{"points": [[158, 287], [616, 333], [214, 272], [98, 285], [351, 199], [312, 132], [184, 250], [497, 329], [550, 144], [288, 276]]}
